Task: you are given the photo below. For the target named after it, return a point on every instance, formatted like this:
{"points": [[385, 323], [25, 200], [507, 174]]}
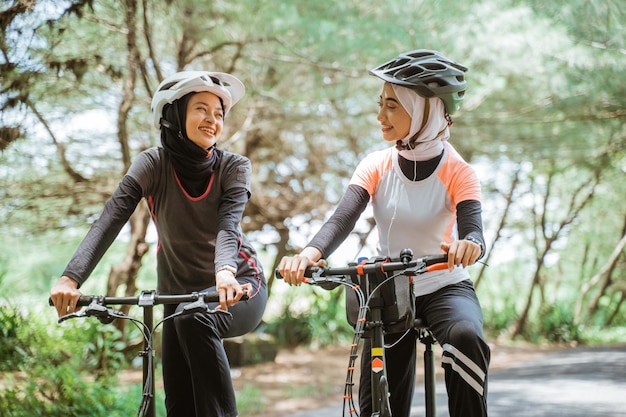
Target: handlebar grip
{"points": [[308, 272], [83, 300], [436, 259], [214, 296]]}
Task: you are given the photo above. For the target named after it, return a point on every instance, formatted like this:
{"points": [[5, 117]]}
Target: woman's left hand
{"points": [[461, 253], [229, 289]]}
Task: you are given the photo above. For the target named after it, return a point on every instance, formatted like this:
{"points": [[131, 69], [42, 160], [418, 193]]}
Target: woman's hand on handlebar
{"points": [[292, 267], [229, 289], [65, 295], [461, 253]]}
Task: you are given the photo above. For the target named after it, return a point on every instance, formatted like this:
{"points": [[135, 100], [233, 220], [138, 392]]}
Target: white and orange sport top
{"points": [[418, 214]]}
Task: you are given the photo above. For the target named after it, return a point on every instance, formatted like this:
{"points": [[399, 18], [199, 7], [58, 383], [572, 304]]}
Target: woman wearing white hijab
{"points": [[424, 197]]}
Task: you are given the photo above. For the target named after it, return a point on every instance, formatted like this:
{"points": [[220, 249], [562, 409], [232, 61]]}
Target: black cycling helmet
{"points": [[429, 73]]}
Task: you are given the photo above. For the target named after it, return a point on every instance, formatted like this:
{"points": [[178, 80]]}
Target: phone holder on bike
{"points": [[395, 299]]}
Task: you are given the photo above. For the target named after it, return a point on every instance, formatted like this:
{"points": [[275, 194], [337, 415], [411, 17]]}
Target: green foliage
{"points": [[290, 329], [250, 400], [16, 339], [60, 391], [329, 325], [310, 316], [103, 351], [34, 263], [68, 371], [71, 369], [556, 324], [3, 271], [599, 335], [499, 314]]}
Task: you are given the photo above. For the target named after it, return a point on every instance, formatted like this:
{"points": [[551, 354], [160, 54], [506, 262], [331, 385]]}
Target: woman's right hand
{"points": [[65, 295], [292, 267]]}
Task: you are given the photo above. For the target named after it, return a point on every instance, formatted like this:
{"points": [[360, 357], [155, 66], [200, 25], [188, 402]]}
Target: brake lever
{"points": [[104, 314], [218, 311], [94, 309], [327, 283], [317, 275], [198, 306], [74, 315], [315, 280], [416, 270]]}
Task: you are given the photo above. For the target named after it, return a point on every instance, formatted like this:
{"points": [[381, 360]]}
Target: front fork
{"points": [[380, 388]]}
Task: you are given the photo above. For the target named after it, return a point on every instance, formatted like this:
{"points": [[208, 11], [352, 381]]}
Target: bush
{"points": [[499, 315], [318, 317], [16, 339], [64, 370], [556, 324], [59, 391], [290, 329]]}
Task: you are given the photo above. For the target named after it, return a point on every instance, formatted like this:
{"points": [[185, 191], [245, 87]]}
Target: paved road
{"points": [[581, 382]]}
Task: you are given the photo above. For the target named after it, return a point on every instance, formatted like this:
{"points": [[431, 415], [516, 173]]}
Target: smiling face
{"points": [[205, 119], [394, 119]]}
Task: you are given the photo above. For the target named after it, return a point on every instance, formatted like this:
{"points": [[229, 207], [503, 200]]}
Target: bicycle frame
{"points": [[97, 307], [366, 279], [381, 406], [372, 285]]}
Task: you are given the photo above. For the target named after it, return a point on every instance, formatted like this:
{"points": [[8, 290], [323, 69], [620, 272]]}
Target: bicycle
{"points": [[97, 306], [368, 280]]}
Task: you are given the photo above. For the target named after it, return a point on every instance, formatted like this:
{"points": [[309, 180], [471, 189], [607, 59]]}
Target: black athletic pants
{"points": [[455, 318], [196, 372]]}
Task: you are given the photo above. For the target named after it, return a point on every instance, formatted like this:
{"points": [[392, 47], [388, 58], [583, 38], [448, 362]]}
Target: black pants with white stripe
{"points": [[456, 320]]}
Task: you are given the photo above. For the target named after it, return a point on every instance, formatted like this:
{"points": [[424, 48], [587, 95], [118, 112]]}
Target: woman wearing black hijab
{"points": [[196, 194]]}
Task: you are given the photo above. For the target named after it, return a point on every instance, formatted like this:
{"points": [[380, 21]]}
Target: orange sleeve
{"points": [[371, 169], [460, 179]]}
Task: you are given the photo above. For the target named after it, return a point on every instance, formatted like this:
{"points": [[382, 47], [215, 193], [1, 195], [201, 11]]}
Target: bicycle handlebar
{"points": [[150, 298], [405, 263], [97, 304]]}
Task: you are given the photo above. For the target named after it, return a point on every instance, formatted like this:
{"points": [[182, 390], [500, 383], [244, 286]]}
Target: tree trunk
{"points": [[603, 278], [125, 273], [282, 251], [550, 237], [613, 315], [520, 323], [509, 203]]}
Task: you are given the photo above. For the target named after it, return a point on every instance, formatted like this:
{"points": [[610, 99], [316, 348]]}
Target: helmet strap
{"points": [[177, 106], [411, 143], [166, 124]]}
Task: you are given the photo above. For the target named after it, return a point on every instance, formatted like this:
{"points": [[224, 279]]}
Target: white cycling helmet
{"points": [[225, 86]]}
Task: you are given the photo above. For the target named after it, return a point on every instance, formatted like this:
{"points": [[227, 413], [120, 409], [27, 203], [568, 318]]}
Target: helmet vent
{"points": [[167, 86], [420, 54], [434, 66]]}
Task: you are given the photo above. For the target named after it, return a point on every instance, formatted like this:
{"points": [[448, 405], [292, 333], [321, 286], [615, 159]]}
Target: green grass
{"points": [[250, 399]]}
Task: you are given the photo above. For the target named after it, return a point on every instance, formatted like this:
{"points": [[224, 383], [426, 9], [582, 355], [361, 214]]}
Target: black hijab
{"points": [[193, 164]]}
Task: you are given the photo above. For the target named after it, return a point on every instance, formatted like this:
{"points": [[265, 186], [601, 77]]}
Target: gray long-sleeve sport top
{"points": [[197, 235]]}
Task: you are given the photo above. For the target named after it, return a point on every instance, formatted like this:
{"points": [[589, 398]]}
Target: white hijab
{"points": [[434, 130]]}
